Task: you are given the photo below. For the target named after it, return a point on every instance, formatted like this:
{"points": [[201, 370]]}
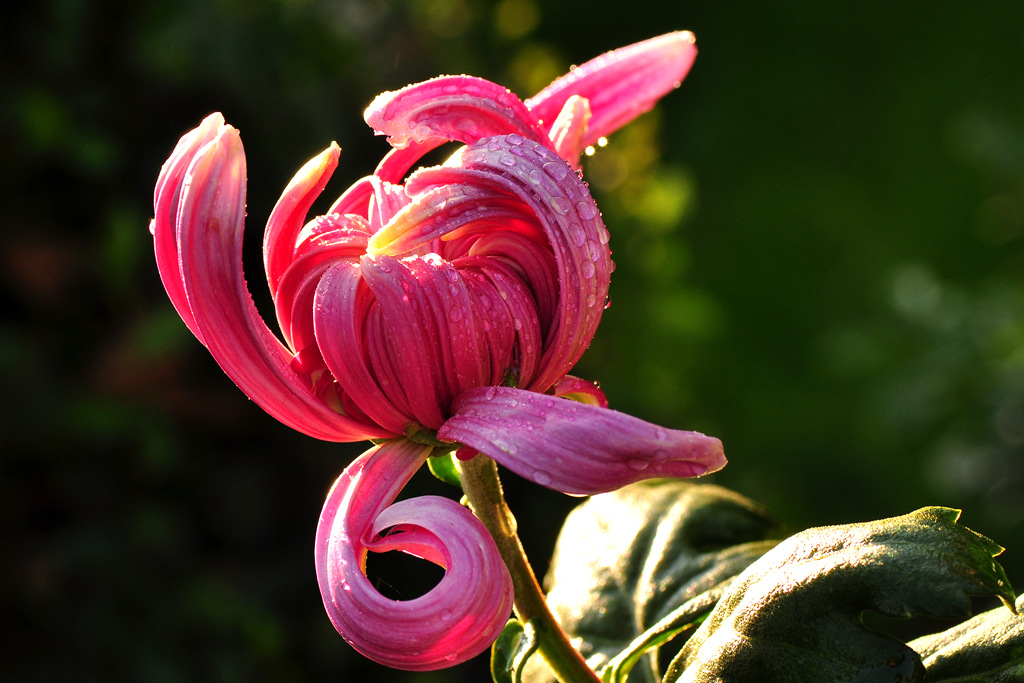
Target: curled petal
{"points": [[456, 620], [462, 108], [621, 84], [340, 308], [569, 131], [166, 198], [572, 447], [209, 224], [289, 214], [573, 226]]}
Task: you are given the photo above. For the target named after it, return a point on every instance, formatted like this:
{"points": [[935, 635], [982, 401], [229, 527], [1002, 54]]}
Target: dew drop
{"points": [[603, 235], [560, 205], [514, 139], [455, 314], [490, 393], [535, 177], [507, 159], [587, 210], [494, 145], [556, 169], [578, 235], [637, 465], [660, 434], [541, 477], [588, 269]]}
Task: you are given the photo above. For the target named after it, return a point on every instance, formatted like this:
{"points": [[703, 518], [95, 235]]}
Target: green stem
{"points": [[487, 501]]}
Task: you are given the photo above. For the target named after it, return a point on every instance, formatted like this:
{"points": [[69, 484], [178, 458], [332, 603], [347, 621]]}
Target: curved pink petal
{"points": [[340, 309], [166, 198], [572, 447], [462, 108], [289, 214], [456, 620], [569, 131], [621, 84], [210, 223], [572, 223]]}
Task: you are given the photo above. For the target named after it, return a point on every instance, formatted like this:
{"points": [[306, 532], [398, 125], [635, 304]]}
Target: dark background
{"points": [[819, 241]]}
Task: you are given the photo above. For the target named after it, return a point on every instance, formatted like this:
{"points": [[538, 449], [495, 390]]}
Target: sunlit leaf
{"points": [[635, 568], [795, 614]]}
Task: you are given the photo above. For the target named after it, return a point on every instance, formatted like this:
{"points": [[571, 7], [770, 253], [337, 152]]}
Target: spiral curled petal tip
{"points": [[572, 447], [456, 620]]}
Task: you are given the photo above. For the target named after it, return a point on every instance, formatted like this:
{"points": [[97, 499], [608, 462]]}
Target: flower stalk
{"points": [[483, 490]]}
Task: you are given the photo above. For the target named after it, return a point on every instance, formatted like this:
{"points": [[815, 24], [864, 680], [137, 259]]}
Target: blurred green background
{"points": [[820, 250]]}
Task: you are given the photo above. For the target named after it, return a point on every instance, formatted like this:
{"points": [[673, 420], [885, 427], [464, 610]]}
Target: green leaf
{"points": [[986, 649], [443, 467], [511, 651], [635, 568], [794, 615]]}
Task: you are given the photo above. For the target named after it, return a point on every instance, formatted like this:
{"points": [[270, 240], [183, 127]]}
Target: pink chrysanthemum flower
{"points": [[441, 307]]}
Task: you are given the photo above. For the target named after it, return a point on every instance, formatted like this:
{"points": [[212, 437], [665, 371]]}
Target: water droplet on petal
{"points": [[660, 434], [637, 464], [514, 139], [560, 205], [535, 177], [586, 210], [507, 159], [556, 169], [541, 477], [490, 393]]}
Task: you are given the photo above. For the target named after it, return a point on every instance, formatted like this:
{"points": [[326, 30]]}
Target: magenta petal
{"points": [[463, 108], [621, 84], [289, 214], [166, 198], [572, 224], [339, 312], [575, 448], [210, 223], [456, 620]]}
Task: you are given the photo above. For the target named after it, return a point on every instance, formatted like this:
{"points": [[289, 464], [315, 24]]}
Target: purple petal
{"points": [[456, 620], [209, 225], [572, 447], [621, 84]]}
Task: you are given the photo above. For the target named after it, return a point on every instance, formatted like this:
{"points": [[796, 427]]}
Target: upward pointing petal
{"points": [[572, 447], [289, 214], [621, 84]]}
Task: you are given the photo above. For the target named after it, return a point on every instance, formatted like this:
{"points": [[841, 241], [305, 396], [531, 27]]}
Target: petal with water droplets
{"points": [[453, 622], [621, 84], [572, 447]]}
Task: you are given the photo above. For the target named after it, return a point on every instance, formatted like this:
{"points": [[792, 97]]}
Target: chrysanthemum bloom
{"points": [[439, 308]]}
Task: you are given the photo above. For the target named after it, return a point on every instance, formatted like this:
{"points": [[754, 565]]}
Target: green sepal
{"points": [[795, 614], [511, 650], [443, 467]]}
